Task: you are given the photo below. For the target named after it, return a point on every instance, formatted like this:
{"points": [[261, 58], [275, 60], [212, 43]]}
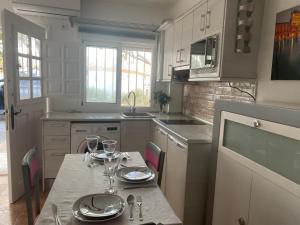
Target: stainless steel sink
{"points": [[137, 115]]}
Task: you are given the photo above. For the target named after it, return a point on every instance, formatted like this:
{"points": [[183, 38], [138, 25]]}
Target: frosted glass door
{"points": [[278, 153]]}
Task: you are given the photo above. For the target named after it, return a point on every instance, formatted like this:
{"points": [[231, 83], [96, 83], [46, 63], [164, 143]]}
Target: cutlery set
{"points": [[131, 202]]}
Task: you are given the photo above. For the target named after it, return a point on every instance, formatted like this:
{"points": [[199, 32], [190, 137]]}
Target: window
{"points": [[101, 74], [29, 67], [136, 75]]}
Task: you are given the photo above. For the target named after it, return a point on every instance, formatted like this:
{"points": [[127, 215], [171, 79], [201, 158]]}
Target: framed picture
{"points": [[286, 54]]}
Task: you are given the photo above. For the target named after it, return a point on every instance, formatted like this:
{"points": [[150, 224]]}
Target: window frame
{"points": [[119, 45], [30, 57]]}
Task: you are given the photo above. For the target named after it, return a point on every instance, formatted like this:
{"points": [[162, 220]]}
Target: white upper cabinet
{"points": [[168, 53], [183, 36], [214, 17], [199, 22], [186, 39], [177, 43]]}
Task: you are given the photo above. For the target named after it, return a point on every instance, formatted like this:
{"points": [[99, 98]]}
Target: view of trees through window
{"points": [[136, 76], [101, 75]]}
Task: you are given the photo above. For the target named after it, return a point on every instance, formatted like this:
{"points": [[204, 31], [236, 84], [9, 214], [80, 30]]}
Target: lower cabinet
{"points": [[232, 192], [185, 174], [56, 144], [135, 135], [176, 175], [245, 196]]}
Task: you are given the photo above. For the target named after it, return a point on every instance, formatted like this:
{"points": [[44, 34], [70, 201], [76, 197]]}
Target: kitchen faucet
{"points": [[132, 108]]}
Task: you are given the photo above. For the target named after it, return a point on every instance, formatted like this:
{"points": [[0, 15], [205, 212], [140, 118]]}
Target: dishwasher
{"points": [[105, 130]]}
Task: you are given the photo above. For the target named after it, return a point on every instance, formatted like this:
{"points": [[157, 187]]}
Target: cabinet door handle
{"points": [[202, 22], [178, 55], [170, 68], [181, 60], [208, 18]]}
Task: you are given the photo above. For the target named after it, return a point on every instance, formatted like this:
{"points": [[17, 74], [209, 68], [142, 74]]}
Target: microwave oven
{"points": [[204, 55]]}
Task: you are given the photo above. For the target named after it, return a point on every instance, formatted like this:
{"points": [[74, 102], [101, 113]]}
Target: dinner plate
{"points": [[135, 174], [97, 212], [101, 155]]}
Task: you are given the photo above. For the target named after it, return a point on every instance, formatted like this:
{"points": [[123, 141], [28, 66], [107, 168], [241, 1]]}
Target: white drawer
{"points": [[56, 128], [53, 161], [57, 142]]}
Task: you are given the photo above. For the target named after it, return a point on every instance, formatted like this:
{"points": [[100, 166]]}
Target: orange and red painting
{"points": [[286, 55]]}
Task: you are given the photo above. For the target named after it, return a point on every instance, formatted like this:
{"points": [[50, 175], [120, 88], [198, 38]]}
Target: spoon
{"points": [[130, 201]]}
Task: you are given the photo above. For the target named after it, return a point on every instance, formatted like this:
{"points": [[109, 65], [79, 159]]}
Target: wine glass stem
{"points": [[110, 182]]}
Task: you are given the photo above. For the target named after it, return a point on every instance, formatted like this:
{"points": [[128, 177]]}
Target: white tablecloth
{"points": [[75, 179]]}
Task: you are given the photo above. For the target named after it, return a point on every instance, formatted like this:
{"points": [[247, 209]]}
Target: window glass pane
{"points": [[136, 76], [101, 72], [36, 68], [24, 88], [275, 152], [36, 89], [23, 43], [35, 47], [23, 66]]}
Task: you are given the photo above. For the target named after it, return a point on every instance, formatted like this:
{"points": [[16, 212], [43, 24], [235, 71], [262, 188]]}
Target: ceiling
{"points": [[153, 3]]}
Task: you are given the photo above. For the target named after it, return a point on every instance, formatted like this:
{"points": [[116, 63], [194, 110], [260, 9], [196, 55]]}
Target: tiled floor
{"points": [[12, 214]]}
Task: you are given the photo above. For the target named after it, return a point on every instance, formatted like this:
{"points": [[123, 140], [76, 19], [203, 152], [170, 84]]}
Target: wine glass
{"points": [[111, 167], [109, 147], [92, 144]]}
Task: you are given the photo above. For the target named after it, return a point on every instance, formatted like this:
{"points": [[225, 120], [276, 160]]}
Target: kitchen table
{"points": [[75, 179]]}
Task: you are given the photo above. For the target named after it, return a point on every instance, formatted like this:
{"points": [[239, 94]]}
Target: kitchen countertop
{"points": [[191, 134]]}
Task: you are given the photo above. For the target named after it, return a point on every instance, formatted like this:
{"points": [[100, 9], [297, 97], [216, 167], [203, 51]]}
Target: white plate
{"points": [[135, 174], [79, 216], [101, 155]]}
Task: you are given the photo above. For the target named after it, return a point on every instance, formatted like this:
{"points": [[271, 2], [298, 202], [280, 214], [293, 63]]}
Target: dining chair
{"points": [[154, 158], [31, 179]]}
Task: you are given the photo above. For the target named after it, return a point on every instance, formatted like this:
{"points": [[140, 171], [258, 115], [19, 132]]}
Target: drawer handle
{"points": [[58, 139], [178, 144], [57, 125], [80, 131], [58, 154], [163, 132]]}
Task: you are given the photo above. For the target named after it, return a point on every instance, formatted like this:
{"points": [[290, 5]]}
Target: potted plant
{"points": [[162, 99]]}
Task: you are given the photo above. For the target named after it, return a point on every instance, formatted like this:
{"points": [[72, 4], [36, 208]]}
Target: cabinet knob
{"points": [[256, 124], [241, 221]]}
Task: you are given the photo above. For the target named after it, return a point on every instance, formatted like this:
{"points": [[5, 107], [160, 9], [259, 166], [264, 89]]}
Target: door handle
{"points": [[208, 18], [13, 113]]}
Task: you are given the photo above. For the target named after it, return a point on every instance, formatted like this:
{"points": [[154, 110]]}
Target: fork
{"points": [[139, 202], [55, 215]]}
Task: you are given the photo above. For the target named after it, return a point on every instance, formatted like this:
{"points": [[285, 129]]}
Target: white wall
{"points": [[5, 4], [181, 6], [117, 11], [274, 91]]}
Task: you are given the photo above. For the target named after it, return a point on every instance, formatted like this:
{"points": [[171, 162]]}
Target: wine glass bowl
{"points": [[109, 147], [92, 143]]}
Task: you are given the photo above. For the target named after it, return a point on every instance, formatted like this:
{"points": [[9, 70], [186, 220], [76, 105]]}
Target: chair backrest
{"points": [[82, 148], [31, 179], [155, 158]]}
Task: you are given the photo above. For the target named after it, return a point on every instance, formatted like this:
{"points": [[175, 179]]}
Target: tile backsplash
{"points": [[199, 98]]}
